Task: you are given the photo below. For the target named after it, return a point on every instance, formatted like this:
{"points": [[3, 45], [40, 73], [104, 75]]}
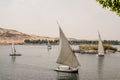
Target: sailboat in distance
{"points": [[101, 51], [67, 58], [49, 45], [13, 53]]}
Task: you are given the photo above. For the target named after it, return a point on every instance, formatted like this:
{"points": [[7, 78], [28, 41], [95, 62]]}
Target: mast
{"points": [[66, 56], [13, 48]]}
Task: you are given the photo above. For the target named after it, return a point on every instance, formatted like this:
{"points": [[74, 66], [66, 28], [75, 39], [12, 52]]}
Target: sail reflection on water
{"points": [[13, 58], [100, 67], [67, 76]]}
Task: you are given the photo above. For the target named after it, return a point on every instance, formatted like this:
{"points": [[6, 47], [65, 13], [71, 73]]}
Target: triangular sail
{"points": [[49, 44], [100, 46], [13, 49], [66, 56]]}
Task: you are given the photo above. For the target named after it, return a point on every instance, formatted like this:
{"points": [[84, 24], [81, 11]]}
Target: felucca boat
{"points": [[67, 59]]}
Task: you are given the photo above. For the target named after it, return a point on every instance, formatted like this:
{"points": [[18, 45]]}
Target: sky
{"points": [[80, 19]]}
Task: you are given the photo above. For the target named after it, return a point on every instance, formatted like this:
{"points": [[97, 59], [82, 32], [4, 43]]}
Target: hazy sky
{"points": [[78, 18]]}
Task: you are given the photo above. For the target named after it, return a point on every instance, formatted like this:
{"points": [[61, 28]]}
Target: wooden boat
{"points": [[101, 51], [49, 45], [67, 58], [14, 51]]}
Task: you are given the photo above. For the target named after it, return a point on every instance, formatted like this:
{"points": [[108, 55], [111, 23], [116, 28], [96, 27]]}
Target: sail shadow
{"points": [[100, 67], [67, 76]]}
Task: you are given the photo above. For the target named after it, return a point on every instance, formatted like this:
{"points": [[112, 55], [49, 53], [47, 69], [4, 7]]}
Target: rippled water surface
{"points": [[38, 63]]}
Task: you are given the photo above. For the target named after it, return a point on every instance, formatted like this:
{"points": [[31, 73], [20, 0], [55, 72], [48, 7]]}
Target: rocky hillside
{"points": [[8, 36]]}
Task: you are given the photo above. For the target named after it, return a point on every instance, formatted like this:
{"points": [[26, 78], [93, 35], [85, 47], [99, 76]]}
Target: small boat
{"points": [[101, 51], [110, 51], [64, 68], [49, 45], [67, 58], [14, 51], [15, 54]]}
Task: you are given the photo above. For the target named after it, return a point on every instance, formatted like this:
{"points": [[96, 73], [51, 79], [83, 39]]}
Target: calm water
{"points": [[37, 63]]}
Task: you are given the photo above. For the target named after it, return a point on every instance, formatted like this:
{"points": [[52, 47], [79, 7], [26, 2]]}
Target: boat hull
{"points": [[100, 55], [14, 54], [75, 70], [49, 47]]}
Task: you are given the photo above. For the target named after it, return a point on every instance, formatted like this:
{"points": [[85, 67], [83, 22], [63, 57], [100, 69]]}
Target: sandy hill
{"points": [[8, 36]]}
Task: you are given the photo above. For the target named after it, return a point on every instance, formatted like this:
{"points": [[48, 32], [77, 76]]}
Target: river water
{"points": [[38, 63]]}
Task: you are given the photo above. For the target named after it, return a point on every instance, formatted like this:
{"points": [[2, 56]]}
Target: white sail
{"points": [[66, 56], [49, 44], [13, 49], [13, 53], [100, 46]]}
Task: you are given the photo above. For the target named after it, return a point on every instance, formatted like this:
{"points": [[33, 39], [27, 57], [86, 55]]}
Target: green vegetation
{"points": [[88, 47], [73, 42], [40, 42], [95, 42], [95, 47], [113, 5]]}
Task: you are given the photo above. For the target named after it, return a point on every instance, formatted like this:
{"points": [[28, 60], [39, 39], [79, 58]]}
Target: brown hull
{"points": [[15, 55]]}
